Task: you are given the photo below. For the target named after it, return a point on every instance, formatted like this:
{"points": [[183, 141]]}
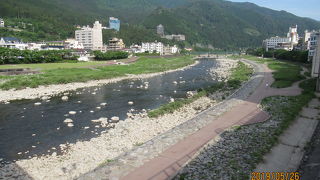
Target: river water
{"points": [[28, 130]]}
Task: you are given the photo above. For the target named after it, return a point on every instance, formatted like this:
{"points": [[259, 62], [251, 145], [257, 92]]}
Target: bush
{"points": [[16, 56], [110, 55]]}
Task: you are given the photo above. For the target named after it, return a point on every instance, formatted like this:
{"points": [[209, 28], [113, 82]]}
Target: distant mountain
{"points": [[219, 23]]}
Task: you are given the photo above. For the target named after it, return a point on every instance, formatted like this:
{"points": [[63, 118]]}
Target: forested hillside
{"points": [[222, 24]]}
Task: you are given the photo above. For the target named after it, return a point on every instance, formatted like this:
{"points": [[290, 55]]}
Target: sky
{"points": [[303, 8]]}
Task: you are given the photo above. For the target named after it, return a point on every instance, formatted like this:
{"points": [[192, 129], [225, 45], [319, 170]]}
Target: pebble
{"points": [[68, 120], [70, 125], [130, 103], [37, 103], [72, 112]]}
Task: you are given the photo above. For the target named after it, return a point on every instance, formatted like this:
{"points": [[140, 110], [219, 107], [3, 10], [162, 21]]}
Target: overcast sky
{"points": [[303, 8]]}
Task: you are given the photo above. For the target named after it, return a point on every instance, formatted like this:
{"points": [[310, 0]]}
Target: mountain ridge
{"points": [[222, 24]]}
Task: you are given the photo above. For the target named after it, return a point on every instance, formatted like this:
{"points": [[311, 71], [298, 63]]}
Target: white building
{"points": [[312, 44], [90, 38], [316, 58], [1, 23], [286, 43], [12, 43], [293, 35], [135, 48], [177, 37], [153, 47], [276, 43], [169, 50], [73, 44]]}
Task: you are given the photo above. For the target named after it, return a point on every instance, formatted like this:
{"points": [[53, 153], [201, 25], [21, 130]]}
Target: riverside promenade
{"points": [[168, 161]]}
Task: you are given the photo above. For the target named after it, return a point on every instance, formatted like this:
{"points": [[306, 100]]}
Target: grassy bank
{"points": [[47, 66], [239, 74], [67, 75], [286, 73]]}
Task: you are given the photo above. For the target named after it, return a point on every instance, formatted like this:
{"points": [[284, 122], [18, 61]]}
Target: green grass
{"points": [[48, 66], [239, 74], [68, 75], [285, 73]]}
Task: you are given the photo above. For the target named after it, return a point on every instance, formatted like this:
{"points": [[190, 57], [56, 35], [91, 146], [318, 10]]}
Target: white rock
{"points": [[103, 104], [98, 108], [115, 118], [86, 127], [79, 102], [37, 103], [91, 111], [96, 120], [54, 154], [72, 112], [68, 120], [70, 125], [130, 103], [65, 98], [175, 82], [33, 134], [171, 100]]}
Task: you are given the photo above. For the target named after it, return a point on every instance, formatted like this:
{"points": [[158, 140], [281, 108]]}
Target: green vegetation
{"points": [[239, 74], [296, 56], [285, 73], [202, 21], [110, 55], [16, 56], [147, 54], [60, 65], [67, 75]]}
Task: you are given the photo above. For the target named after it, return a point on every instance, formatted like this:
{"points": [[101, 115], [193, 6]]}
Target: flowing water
{"points": [[35, 130]]}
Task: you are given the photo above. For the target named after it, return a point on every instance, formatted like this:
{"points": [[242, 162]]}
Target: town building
{"points": [[277, 43], [312, 44], [73, 44], [90, 38], [116, 44], [316, 58], [176, 37], [135, 48], [170, 50], [152, 47], [287, 43], [1, 23], [160, 30], [293, 35], [12, 43], [114, 23]]}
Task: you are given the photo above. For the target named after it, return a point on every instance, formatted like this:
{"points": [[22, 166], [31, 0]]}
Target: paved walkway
{"points": [[287, 155], [169, 162]]}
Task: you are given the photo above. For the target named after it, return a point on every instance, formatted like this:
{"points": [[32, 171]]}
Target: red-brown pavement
{"points": [[169, 162]]}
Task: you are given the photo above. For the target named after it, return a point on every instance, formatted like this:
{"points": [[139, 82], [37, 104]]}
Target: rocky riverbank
{"points": [[84, 156], [51, 90]]}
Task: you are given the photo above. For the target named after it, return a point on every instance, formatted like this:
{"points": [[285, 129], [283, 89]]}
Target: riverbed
{"points": [[33, 135]]}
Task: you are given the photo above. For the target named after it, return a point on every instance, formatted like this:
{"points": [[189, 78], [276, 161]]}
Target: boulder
{"points": [[68, 120], [65, 98]]}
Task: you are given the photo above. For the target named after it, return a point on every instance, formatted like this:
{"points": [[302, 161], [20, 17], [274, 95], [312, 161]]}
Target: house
{"points": [[1, 23], [116, 44], [12, 43]]}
